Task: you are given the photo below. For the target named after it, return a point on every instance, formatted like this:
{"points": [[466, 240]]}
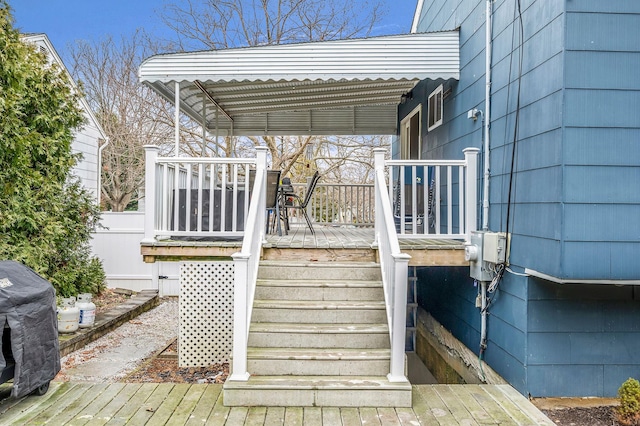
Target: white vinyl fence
{"points": [[119, 249]]}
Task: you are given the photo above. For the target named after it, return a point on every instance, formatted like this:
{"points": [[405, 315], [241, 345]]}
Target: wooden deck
{"points": [[328, 244], [184, 404]]}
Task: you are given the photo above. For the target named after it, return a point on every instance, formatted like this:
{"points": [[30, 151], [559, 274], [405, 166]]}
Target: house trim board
{"points": [[558, 280]]}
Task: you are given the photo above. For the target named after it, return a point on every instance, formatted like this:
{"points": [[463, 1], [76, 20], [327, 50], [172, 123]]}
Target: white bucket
{"points": [[87, 310]]}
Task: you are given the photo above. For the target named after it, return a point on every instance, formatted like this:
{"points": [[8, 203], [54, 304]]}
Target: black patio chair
{"points": [[302, 203], [271, 202]]}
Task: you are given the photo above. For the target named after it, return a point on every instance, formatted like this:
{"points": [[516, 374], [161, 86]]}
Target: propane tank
{"points": [[68, 315], [87, 310]]}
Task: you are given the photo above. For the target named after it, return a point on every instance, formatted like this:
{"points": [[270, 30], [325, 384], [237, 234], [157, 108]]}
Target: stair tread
{"points": [[316, 382], [318, 354], [333, 328], [350, 265], [346, 283], [319, 304]]}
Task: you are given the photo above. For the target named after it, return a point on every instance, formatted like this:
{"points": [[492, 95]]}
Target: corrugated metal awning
{"points": [[333, 87]]}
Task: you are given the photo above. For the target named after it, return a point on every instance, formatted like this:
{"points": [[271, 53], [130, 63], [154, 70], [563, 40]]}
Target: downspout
{"points": [[487, 117], [487, 169], [99, 195]]}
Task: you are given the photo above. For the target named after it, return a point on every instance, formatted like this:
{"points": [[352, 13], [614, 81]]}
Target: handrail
{"points": [[246, 264], [205, 160], [425, 162], [394, 265]]}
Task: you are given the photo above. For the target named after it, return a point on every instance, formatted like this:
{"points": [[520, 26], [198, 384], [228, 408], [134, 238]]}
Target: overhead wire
{"points": [[512, 181]]}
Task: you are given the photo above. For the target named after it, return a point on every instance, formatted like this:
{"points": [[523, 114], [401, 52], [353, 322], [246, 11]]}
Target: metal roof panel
{"points": [[353, 73]]}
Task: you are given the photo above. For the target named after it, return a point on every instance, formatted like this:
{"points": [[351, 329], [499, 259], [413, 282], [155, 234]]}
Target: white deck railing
{"points": [[196, 197], [429, 198], [340, 204], [434, 198]]}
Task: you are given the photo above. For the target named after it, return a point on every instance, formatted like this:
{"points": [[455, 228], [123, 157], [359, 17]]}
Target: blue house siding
{"points": [[449, 295], [582, 340], [601, 142], [576, 204]]}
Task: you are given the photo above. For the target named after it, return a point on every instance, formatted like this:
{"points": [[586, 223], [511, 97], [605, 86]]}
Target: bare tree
{"points": [[131, 115], [219, 24]]}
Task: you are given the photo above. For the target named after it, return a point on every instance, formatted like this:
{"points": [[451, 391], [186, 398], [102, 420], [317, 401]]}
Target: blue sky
{"points": [[67, 20]]}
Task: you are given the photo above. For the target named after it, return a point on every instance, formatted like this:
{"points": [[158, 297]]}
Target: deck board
{"points": [[219, 413], [369, 416], [256, 416], [331, 416], [489, 404], [204, 406], [57, 409], [313, 416], [108, 411], [329, 243], [75, 410], [437, 406], [237, 416], [459, 411], [476, 409], [275, 416], [407, 416], [388, 417], [92, 410], [131, 405], [20, 410], [294, 416], [505, 403], [350, 416], [150, 404]]}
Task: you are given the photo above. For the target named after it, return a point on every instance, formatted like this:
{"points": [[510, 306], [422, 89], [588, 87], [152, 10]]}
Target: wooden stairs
{"points": [[318, 337]]}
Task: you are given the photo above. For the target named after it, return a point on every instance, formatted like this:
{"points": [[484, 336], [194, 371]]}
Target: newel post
{"points": [[379, 187], [471, 190], [240, 325], [261, 163], [399, 320], [151, 155]]}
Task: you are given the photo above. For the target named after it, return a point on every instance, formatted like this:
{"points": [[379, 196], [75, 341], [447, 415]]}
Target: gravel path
{"points": [[121, 351]]}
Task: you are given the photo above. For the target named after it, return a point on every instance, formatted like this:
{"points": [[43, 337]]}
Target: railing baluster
{"points": [[176, 196], [223, 200], [212, 181], [414, 199], [425, 199], [449, 202], [438, 201], [200, 184], [165, 198], [461, 210], [187, 213], [234, 197]]}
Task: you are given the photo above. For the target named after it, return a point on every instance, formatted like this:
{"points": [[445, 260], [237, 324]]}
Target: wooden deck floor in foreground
{"points": [[178, 404]]}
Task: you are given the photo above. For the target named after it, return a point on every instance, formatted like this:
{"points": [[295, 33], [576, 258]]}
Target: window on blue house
{"points": [[435, 109]]}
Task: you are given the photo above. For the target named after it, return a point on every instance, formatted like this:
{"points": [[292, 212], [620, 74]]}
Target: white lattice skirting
{"points": [[205, 313]]}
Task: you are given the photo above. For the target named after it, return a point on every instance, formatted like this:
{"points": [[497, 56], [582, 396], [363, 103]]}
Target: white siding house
{"points": [[88, 139], [117, 244]]}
